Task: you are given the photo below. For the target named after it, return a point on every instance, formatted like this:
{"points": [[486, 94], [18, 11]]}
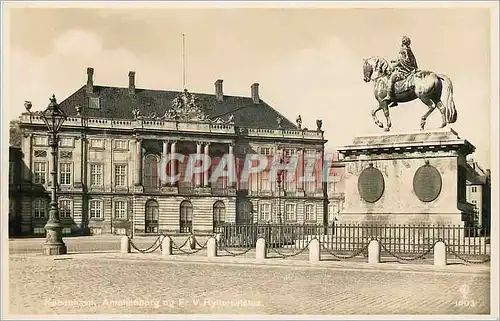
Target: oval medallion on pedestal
{"points": [[371, 184], [427, 183]]}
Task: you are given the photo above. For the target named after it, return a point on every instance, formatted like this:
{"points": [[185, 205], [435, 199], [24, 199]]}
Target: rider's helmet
{"points": [[406, 41]]}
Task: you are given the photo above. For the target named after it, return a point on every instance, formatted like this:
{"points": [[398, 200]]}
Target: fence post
{"points": [[374, 252], [440, 254], [260, 249], [192, 242], [166, 246], [125, 245], [212, 247], [314, 251]]}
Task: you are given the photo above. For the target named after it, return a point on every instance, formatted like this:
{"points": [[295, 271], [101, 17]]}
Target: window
{"points": [[95, 209], [151, 171], [290, 212], [331, 213], [289, 180], [40, 153], [121, 210], [121, 175], [288, 152], [65, 173], [310, 180], [66, 142], [265, 180], [310, 214], [219, 213], [97, 143], [265, 212], [266, 151], [65, 208], [11, 172], [474, 189], [96, 175], [66, 230], [39, 208], [40, 140], [121, 144], [120, 230], [186, 217], [39, 173], [96, 230], [94, 102], [152, 216], [475, 203], [38, 230], [65, 154]]}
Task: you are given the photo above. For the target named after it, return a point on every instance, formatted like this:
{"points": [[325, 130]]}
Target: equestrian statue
{"points": [[401, 81]]}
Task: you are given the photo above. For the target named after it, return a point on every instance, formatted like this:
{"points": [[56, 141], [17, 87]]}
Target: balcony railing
{"points": [[185, 126]]}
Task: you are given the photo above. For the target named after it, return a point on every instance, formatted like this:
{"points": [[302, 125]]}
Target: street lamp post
{"points": [[53, 118], [279, 181]]}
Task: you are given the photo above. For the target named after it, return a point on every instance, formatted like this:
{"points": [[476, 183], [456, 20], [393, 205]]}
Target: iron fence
{"points": [[348, 238]]}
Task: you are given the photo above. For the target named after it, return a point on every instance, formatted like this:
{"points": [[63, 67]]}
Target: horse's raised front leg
{"points": [[375, 118], [431, 106], [442, 109], [387, 117]]}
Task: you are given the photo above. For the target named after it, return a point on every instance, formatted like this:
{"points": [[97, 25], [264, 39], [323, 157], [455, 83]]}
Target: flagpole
{"points": [[183, 63]]}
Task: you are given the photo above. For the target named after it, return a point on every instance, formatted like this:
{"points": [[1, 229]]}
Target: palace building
{"points": [[115, 138]]}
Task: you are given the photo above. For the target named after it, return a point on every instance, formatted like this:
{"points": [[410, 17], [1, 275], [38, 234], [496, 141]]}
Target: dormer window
{"points": [[94, 103]]}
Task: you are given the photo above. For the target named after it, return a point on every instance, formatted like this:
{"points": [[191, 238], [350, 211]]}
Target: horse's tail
{"points": [[449, 103]]}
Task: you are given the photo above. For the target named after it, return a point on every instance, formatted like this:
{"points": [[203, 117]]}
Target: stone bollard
{"points": [[125, 245], [212, 247], [260, 249], [192, 242], [166, 246], [314, 251], [440, 254], [374, 252]]}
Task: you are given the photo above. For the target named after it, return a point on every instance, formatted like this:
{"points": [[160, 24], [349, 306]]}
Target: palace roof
{"points": [[120, 103]]}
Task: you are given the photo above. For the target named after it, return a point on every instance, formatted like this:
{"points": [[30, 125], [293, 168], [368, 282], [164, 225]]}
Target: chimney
{"points": [[219, 94], [131, 82], [90, 80], [255, 93]]}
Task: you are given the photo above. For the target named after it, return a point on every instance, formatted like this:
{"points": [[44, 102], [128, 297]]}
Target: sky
{"points": [[308, 61]]}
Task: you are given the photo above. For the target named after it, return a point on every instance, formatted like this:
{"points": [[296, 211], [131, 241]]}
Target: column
{"points": [[197, 177], [230, 165], [164, 162], [300, 174], [205, 173], [138, 162], [172, 163], [303, 169]]}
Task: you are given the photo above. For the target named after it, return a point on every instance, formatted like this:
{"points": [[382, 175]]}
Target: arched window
{"points": [[152, 215], [219, 214], [244, 212], [186, 217], [151, 179]]}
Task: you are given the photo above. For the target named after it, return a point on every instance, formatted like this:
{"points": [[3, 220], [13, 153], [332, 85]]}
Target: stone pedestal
{"points": [[406, 178]]}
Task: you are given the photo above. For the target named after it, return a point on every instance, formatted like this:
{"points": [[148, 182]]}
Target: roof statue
{"points": [[299, 122], [402, 81], [184, 107]]}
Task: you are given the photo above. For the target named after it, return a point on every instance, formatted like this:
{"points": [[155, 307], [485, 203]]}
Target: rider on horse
{"points": [[401, 68]]}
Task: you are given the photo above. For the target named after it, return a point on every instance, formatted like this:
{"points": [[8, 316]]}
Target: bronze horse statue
{"points": [[428, 86]]}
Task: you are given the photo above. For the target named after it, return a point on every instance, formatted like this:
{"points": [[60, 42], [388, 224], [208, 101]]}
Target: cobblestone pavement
{"points": [[113, 283]]}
